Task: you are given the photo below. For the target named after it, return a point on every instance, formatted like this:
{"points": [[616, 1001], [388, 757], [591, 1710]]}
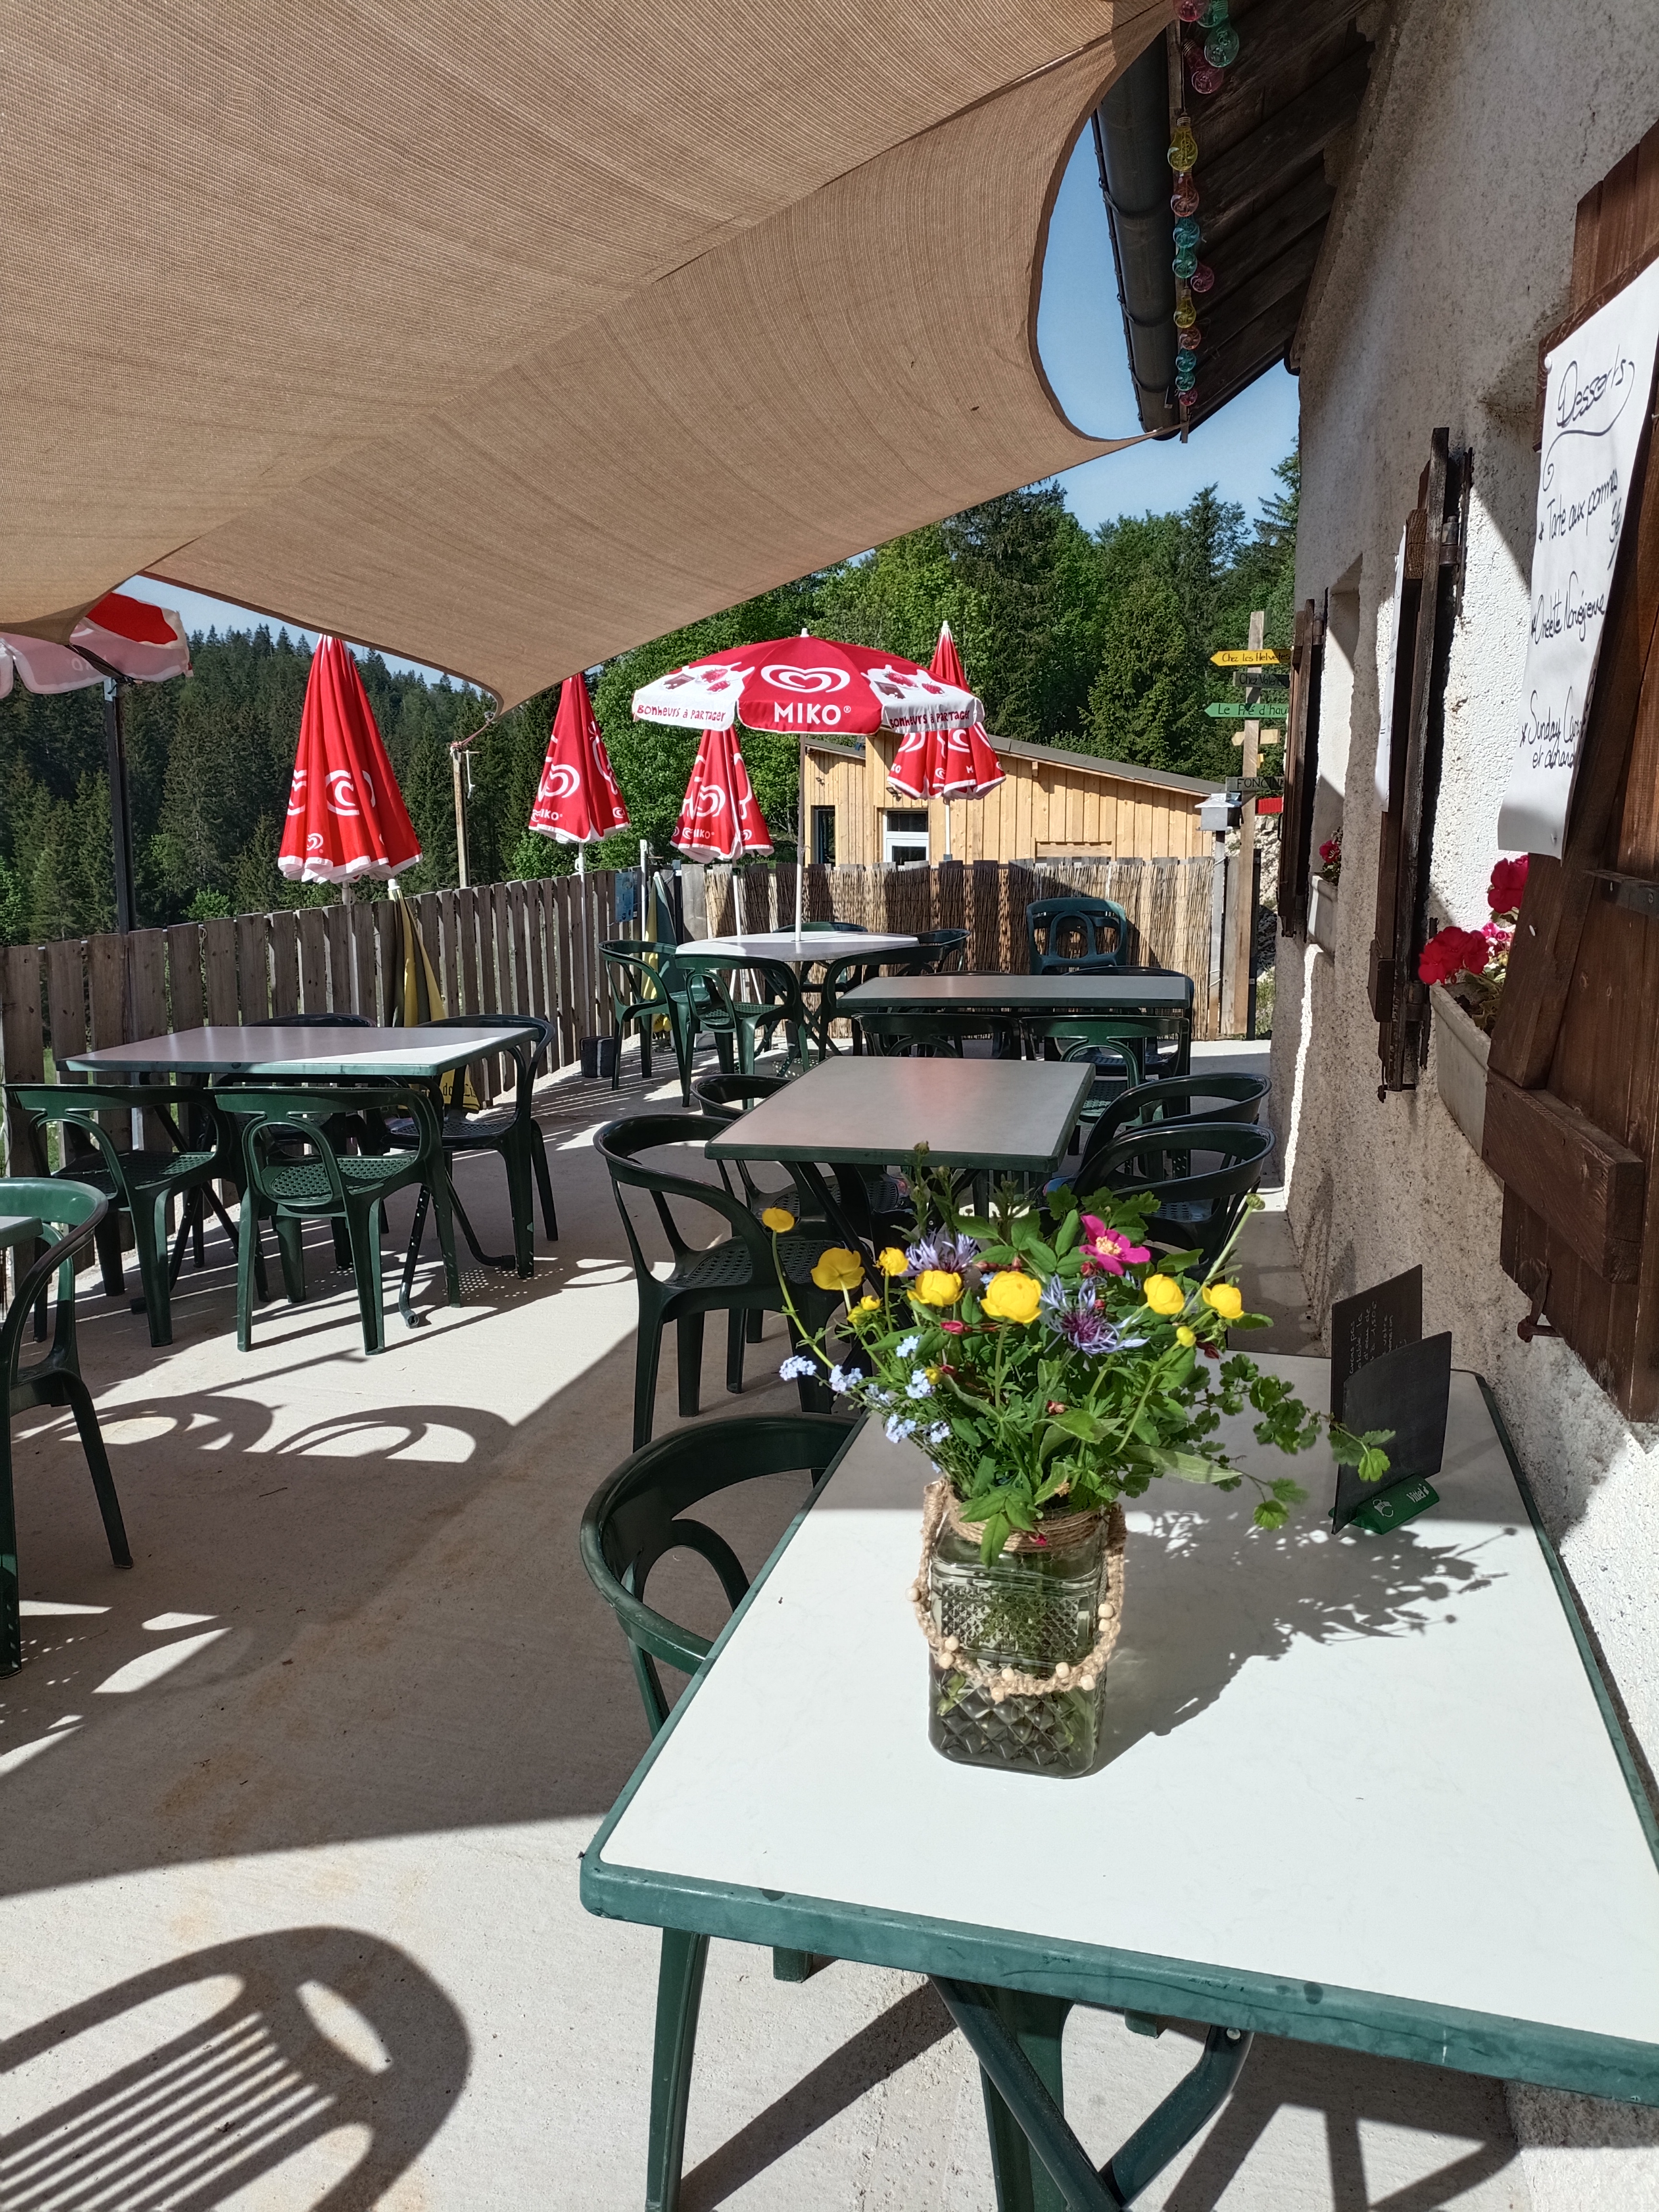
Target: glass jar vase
{"points": [[1035, 1609]]}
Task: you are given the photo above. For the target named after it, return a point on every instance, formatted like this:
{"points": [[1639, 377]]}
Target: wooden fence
{"points": [[534, 948]]}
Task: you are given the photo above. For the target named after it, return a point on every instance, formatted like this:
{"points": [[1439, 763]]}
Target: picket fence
{"points": [[534, 947]]}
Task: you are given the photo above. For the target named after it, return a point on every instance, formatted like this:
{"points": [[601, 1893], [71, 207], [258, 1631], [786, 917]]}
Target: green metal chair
{"points": [[737, 1276], [1175, 1099], [55, 1379], [1075, 936], [1197, 1209], [512, 1131], [141, 1182], [634, 1519], [647, 988], [324, 1183]]}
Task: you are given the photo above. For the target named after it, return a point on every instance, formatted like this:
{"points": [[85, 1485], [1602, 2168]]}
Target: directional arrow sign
{"points": [[1259, 656], [1229, 710]]}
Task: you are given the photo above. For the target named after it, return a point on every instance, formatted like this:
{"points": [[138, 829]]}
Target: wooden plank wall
{"points": [[535, 947]]}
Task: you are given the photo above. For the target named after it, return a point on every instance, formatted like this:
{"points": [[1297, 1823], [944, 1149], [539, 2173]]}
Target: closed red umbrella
{"points": [[577, 800], [346, 818], [950, 758], [720, 818]]}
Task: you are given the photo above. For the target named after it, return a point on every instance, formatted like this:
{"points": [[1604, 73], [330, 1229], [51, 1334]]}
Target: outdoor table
{"points": [[812, 948], [1359, 1790], [297, 1053], [18, 1229], [977, 1005], [1015, 1116]]}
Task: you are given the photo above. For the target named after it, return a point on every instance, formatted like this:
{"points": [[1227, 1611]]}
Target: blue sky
{"points": [[1080, 337]]}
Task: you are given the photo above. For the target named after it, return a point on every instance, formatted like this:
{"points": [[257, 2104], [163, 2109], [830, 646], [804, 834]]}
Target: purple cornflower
{"points": [[1081, 1321], [952, 1253]]}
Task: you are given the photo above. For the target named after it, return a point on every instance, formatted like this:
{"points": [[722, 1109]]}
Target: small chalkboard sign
{"points": [[1408, 1390], [1367, 1324]]}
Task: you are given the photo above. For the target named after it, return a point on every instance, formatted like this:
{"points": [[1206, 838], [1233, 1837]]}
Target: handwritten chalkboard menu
{"points": [[1385, 1375], [1595, 408]]}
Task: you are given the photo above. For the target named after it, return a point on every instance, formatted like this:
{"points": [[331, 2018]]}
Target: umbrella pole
{"points": [[800, 837], [120, 805]]}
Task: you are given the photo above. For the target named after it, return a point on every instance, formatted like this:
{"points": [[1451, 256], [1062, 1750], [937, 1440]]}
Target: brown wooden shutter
{"points": [[1572, 1101], [1435, 532], [1301, 771]]}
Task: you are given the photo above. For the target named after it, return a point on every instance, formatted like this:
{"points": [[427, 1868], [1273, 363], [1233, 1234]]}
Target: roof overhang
{"points": [[507, 338]]}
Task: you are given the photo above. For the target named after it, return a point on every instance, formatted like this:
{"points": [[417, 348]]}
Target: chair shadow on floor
{"points": [[320, 2050]]}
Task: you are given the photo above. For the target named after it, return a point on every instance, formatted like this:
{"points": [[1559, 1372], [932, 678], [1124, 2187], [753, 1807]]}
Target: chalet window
{"points": [[1428, 583], [1301, 771], [1572, 1096], [823, 836], [905, 835]]}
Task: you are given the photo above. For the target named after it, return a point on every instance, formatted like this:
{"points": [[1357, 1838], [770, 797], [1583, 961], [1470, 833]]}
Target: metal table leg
{"points": [[1041, 2166]]}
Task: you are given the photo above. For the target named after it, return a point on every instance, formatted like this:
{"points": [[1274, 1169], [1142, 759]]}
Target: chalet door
{"points": [[1573, 1101]]}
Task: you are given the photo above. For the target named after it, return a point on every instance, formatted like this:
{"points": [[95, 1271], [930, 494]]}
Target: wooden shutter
{"points": [[1427, 611], [1301, 771], [1572, 1099]]}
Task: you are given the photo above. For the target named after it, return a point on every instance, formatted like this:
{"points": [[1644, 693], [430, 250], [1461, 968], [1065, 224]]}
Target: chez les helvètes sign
{"points": [[1599, 381]]}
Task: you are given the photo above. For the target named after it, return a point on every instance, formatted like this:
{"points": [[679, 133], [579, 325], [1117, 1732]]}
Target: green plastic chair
{"points": [[1196, 1210], [55, 1379], [1075, 936], [737, 1276], [736, 1023], [1175, 1100], [512, 1131], [328, 1184], [141, 1182], [645, 987], [633, 1519]]}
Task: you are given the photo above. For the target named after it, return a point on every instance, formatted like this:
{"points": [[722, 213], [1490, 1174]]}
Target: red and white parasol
{"points": [[945, 760], [808, 685], [346, 818], [577, 800], [721, 819], [135, 640]]}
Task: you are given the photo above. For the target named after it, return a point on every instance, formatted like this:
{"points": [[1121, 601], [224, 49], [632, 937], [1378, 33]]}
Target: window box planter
{"points": [[1460, 1065], [1322, 914]]}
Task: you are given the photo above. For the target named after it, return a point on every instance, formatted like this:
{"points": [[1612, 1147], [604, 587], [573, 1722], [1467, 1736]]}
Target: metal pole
{"points": [[460, 817], [1243, 947], [120, 805]]}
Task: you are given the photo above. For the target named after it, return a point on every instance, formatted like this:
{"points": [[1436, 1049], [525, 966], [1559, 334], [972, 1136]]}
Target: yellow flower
{"points": [[1184, 1335], [838, 1269], [1013, 1296], [892, 1262], [1224, 1298], [937, 1286], [1164, 1294], [777, 1219], [868, 1304]]}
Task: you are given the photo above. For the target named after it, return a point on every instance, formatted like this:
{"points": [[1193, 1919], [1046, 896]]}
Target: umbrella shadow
{"points": [[323, 2046]]}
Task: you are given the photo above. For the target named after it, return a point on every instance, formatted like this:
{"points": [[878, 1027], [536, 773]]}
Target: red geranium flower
{"points": [[1509, 880], [1450, 953]]}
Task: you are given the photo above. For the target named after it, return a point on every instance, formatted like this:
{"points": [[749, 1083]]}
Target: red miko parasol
{"points": [[577, 800], [719, 819], [346, 818], [946, 761]]}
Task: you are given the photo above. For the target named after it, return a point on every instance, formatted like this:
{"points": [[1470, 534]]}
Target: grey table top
{"points": [[253, 1048], [1014, 1115], [1357, 1789], [1033, 995], [809, 948], [18, 1228]]}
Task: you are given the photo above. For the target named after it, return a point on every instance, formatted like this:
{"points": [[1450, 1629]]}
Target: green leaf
{"points": [[1189, 1467], [1068, 1232], [995, 1536]]}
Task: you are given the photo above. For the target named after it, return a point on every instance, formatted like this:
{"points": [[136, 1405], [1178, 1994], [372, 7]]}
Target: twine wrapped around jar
{"points": [[940, 1508]]}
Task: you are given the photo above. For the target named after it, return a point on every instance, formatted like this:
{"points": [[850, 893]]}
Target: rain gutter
{"points": [[1131, 136]]}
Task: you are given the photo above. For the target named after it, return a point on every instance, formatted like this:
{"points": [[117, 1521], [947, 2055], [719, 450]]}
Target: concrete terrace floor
{"points": [[294, 1811]]}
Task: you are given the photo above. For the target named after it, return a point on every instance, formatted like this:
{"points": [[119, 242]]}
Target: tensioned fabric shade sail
{"points": [[316, 333]]}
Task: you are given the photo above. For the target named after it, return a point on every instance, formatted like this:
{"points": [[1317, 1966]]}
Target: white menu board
{"points": [[1600, 380]]}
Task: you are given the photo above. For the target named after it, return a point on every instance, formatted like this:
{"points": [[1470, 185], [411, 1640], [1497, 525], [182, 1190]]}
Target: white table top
{"points": [[812, 947], [1367, 1764], [255, 1048], [1021, 994]]}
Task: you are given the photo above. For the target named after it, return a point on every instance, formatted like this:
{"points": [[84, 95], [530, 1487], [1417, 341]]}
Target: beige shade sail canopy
{"points": [[505, 337]]}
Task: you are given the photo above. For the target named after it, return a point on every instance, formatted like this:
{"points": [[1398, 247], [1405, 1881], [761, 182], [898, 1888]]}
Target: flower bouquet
{"points": [[1050, 1368], [1474, 964]]}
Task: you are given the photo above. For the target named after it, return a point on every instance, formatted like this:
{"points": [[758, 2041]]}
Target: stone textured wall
{"points": [[1448, 257]]}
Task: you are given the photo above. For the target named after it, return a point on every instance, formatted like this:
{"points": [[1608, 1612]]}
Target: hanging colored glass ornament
{"points": [[1188, 383], [1205, 75], [1221, 47], [1183, 200], [1186, 232], [1190, 338], [1215, 14], [1183, 147], [1185, 313], [1192, 11], [1201, 278], [1185, 262]]}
